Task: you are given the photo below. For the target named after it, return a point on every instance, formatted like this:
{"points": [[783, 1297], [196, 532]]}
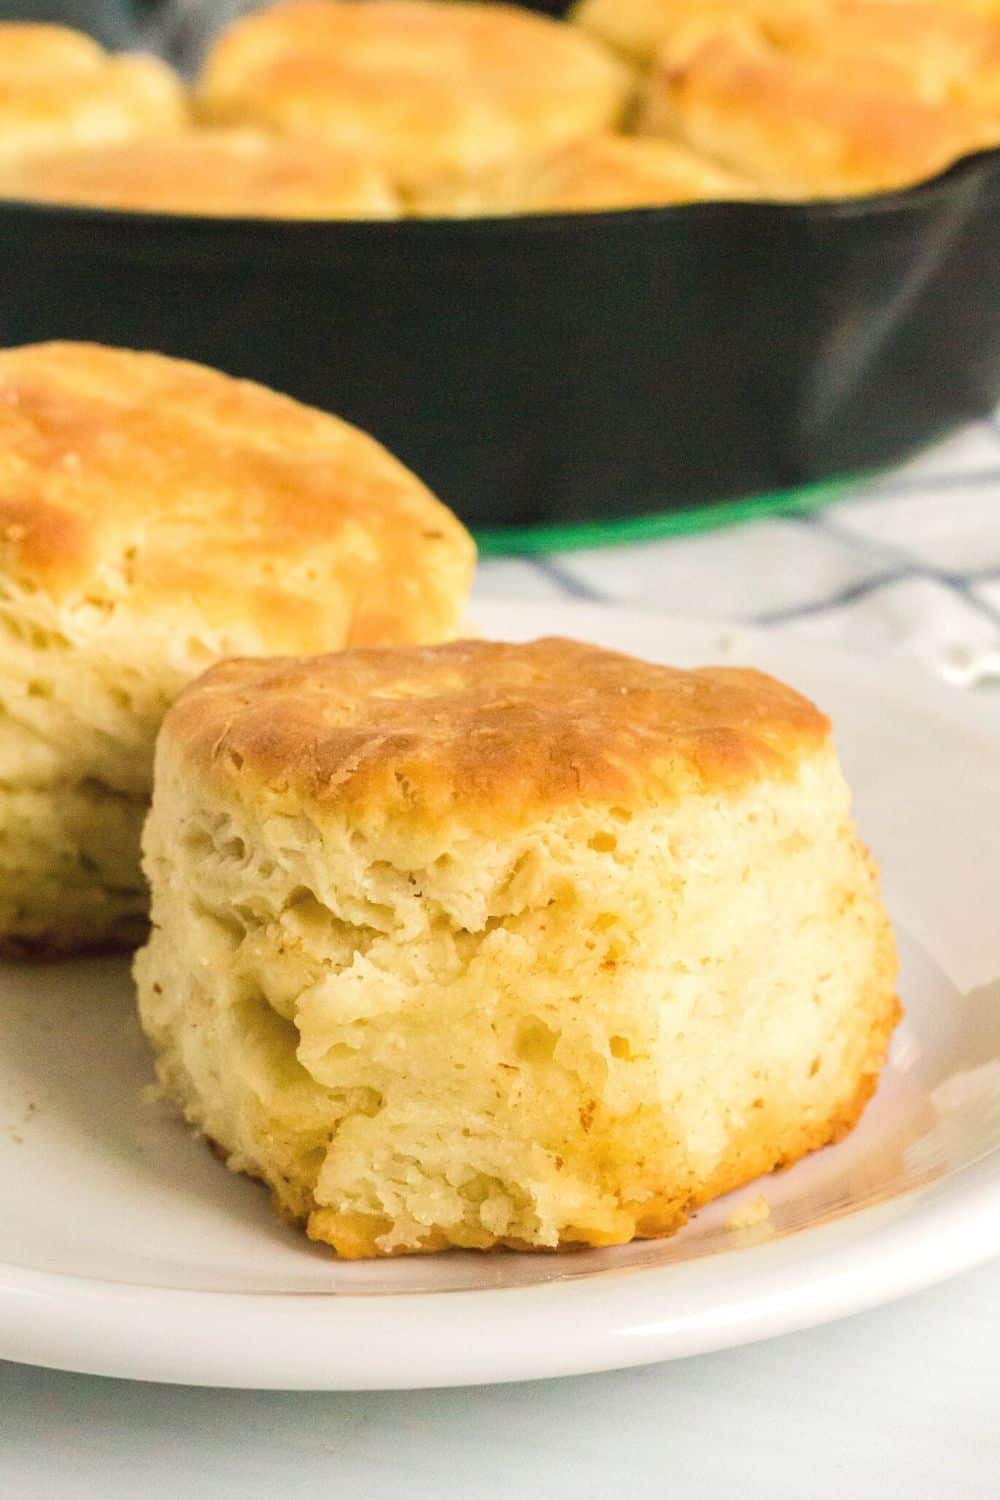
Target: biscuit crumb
{"points": [[14, 1130], [749, 1215]]}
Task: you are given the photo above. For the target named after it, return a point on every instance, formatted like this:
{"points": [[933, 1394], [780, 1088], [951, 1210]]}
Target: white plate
{"points": [[126, 1249]]}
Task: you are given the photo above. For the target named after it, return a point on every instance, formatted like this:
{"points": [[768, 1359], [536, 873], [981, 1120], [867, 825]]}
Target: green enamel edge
{"points": [[574, 535]]}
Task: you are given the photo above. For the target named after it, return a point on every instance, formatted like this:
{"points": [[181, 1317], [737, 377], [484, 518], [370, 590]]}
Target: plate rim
{"points": [[640, 1316]]}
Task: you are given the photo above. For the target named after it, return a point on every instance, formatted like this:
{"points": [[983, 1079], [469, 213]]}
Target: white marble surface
{"points": [[903, 1402]]}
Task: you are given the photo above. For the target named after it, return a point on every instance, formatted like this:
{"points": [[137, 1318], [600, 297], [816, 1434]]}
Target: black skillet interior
{"points": [[566, 368]]}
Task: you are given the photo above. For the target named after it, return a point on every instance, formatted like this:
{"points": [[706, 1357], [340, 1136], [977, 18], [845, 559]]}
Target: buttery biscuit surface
{"points": [[523, 945], [207, 172], [58, 87], [425, 88], [602, 172], [155, 516]]}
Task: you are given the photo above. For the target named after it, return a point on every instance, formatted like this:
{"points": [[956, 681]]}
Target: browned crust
{"points": [[602, 172], [58, 86], [355, 1236], [483, 732], [752, 1157], [923, 36], [207, 172], [791, 122], [424, 88], [166, 488], [56, 948], [32, 47]]}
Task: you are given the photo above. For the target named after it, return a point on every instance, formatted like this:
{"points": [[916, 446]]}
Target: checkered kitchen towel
{"points": [[909, 563]]}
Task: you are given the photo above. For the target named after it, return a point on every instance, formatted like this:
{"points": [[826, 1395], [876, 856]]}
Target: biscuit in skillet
{"points": [[58, 87], [423, 88]]}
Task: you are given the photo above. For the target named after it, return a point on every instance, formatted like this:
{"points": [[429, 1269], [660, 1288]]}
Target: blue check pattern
{"points": [[908, 563]]}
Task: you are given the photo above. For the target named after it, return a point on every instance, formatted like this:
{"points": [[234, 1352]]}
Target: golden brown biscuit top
{"points": [[601, 172], [640, 27], [793, 123], [29, 47], [425, 87], [58, 86], [482, 734], [157, 485], [210, 172], [927, 40], [928, 51]]}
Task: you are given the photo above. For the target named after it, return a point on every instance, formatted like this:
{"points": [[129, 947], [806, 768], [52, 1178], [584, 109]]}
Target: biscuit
{"points": [[208, 172], [487, 945], [58, 88], [423, 88], [923, 37], [924, 50], [601, 172], [155, 516], [31, 48], [639, 28], [805, 125]]}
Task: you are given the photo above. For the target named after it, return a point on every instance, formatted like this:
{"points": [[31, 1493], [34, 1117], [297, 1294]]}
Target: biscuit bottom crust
{"points": [[74, 942], [573, 1032], [357, 1236]]}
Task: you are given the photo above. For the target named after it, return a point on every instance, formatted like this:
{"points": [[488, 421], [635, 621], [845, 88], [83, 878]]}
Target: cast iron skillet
{"points": [[546, 369]]}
